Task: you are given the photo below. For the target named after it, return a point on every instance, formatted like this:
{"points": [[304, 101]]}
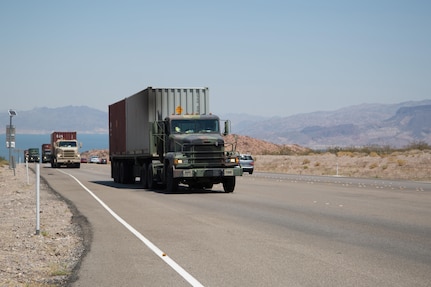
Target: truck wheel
{"points": [[115, 172], [208, 185], [229, 184], [144, 181], [171, 182], [129, 176], [150, 177], [121, 178]]}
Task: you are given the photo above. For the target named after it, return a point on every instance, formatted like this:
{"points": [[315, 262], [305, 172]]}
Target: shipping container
{"points": [[134, 115], [63, 136]]}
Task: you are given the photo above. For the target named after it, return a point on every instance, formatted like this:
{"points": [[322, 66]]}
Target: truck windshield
{"points": [[67, 144], [195, 126]]}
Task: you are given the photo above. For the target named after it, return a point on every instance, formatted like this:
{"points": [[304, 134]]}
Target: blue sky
{"points": [[269, 58]]}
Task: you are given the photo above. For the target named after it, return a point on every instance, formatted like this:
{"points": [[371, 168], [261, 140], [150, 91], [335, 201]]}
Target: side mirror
{"points": [[226, 128]]}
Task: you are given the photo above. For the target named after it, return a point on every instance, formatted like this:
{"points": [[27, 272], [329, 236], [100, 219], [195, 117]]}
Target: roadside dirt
{"points": [[28, 259]]}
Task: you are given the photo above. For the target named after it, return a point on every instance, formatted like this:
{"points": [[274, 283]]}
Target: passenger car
{"points": [[94, 159], [246, 162]]}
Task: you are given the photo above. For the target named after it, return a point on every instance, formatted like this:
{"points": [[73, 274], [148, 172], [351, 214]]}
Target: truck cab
{"points": [[195, 152], [33, 155], [65, 150]]}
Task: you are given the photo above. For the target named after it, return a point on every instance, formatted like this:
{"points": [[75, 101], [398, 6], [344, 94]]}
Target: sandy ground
{"points": [[409, 165], [28, 259]]}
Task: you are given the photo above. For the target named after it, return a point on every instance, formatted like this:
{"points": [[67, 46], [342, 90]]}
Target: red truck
{"points": [[46, 153]]}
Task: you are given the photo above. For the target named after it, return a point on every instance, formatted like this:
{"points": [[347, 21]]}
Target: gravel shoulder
{"points": [[35, 260]]}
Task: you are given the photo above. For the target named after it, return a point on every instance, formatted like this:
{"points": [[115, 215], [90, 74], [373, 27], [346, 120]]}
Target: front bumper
{"points": [[68, 161], [207, 172]]}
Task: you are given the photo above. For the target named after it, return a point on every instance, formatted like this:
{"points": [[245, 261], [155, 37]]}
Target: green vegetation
{"points": [[3, 161], [59, 270], [371, 150], [376, 150]]}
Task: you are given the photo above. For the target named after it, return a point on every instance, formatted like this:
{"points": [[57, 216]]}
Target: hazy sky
{"points": [[270, 58]]}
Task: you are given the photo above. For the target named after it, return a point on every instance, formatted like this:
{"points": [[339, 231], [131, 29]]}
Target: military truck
{"points": [[65, 150], [168, 137], [33, 155], [46, 153]]}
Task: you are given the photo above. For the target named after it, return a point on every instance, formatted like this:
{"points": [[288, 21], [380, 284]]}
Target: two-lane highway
{"points": [[274, 230]]}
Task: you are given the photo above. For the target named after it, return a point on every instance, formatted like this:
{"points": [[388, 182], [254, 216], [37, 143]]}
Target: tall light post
{"points": [[11, 136]]}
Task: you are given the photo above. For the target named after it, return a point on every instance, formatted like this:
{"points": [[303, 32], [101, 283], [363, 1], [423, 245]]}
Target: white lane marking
{"points": [[189, 278]]}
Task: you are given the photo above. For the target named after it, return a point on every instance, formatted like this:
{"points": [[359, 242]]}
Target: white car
{"points": [[94, 159], [246, 162]]}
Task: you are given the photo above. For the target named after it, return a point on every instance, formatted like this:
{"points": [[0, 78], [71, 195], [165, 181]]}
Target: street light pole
{"points": [[10, 138]]}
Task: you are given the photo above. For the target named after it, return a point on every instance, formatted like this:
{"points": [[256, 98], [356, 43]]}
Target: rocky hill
{"points": [[242, 144], [394, 125], [368, 124]]}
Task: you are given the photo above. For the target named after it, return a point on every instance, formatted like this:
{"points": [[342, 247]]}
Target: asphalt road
{"points": [[273, 230]]}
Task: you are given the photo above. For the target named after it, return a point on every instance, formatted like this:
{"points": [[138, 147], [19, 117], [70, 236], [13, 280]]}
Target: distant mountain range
{"points": [[395, 125], [82, 119]]}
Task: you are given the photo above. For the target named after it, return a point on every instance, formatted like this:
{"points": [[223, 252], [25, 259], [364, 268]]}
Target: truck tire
{"points": [[126, 173], [129, 175], [171, 182], [229, 184], [208, 186], [116, 172], [150, 177], [121, 177], [144, 181]]}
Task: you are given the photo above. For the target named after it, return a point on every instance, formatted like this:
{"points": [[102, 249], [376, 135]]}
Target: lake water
{"points": [[23, 142]]}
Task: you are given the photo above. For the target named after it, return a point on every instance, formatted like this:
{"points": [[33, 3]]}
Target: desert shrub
{"points": [[373, 165], [306, 161], [401, 162], [3, 161], [420, 145], [317, 164], [345, 153], [377, 149], [286, 151], [374, 154]]}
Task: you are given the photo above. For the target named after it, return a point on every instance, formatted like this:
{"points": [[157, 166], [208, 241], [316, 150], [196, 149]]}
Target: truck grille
{"points": [[69, 154], [208, 155]]}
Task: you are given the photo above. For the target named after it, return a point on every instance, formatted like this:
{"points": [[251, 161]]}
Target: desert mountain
{"points": [[82, 119], [395, 125]]}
